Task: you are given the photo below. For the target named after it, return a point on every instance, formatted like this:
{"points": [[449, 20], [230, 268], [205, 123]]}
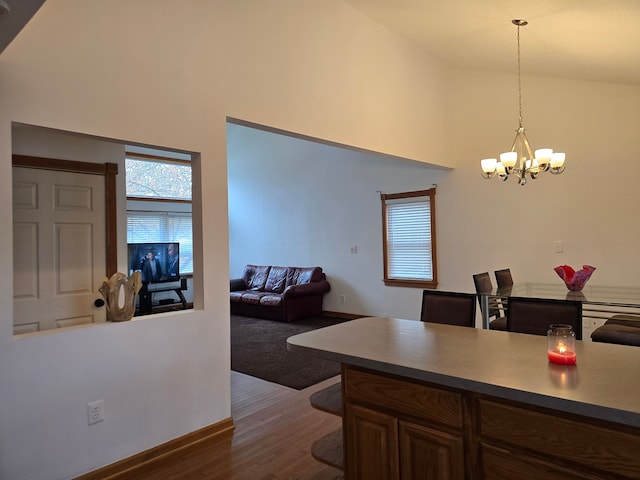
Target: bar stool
{"points": [[482, 282]]}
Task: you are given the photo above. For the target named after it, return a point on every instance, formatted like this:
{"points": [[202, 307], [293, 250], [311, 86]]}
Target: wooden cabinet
{"points": [[551, 445], [438, 401], [399, 430]]}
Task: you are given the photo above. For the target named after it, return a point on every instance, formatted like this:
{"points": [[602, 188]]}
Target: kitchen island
{"points": [[423, 400]]}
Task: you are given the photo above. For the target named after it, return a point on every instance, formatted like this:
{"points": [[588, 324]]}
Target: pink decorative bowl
{"points": [[574, 280]]}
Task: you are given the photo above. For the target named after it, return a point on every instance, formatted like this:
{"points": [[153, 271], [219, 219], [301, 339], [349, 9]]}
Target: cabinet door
{"points": [[429, 454], [371, 444]]}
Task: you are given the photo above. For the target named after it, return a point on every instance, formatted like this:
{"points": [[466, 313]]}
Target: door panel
{"points": [[59, 248], [429, 454], [73, 250], [372, 444], [25, 260]]}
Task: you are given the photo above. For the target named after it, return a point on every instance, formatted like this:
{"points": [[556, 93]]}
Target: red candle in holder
{"points": [[566, 357], [561, 344]]}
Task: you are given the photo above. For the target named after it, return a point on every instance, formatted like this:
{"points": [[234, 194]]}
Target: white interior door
{"points": [[59, 254]]}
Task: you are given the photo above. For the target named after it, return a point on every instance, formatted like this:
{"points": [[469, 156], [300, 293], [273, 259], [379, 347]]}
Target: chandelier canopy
{"points": [[521, 161]]}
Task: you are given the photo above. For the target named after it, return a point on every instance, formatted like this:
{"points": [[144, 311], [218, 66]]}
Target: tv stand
{"points": [[146, 295]]}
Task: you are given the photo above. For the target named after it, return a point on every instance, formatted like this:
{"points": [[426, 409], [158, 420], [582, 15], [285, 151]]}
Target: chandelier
{"points": [[521, 161]]}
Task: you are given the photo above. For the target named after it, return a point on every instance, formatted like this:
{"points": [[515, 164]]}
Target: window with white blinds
{"points": [[150, 227], [409, 239]]}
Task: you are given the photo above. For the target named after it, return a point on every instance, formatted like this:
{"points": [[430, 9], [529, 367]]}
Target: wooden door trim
{"points": [[109, 171]]}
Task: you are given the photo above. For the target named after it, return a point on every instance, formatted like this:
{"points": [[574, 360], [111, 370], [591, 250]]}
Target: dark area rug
{"points": [[259, 349]]}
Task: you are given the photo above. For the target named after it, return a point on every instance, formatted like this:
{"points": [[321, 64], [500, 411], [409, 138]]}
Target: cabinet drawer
{"points": [[498, 464], [404, 397], [576, 441]]}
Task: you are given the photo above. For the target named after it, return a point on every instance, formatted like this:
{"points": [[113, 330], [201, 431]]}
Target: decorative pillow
{"points": [[302, 275], [259, 277], [276, 280]]}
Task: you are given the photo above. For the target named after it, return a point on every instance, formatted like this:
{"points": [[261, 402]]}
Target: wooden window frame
{"points": [[394, 282]]}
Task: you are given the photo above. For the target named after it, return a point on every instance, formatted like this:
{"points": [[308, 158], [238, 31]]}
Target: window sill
{"points": [[431, 284]]}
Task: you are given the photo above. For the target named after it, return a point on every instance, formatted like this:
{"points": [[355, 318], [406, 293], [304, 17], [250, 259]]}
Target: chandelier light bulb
{"points": [[557, 163], [501, 171], [488, 165], [557, 160], [509, 159], [543, 156]]}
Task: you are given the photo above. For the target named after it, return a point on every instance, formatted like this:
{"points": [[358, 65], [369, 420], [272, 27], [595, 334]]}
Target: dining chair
{"points": [[534, 315], [451, 308], [504, 278], [619, 329], [497, 320]]}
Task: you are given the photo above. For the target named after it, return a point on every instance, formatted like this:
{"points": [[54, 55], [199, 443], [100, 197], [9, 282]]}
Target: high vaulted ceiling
{"points": [[578, 39]]}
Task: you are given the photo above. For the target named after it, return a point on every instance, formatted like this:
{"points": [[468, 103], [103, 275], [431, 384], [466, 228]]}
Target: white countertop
{"points": [[604, 384]]}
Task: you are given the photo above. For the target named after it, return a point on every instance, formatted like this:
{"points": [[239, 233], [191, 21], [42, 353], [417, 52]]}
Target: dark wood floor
{"points": [[274, 429]]}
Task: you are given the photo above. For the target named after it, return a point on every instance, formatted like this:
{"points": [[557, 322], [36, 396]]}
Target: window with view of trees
{"points": [[159, 203], [409, 239]]}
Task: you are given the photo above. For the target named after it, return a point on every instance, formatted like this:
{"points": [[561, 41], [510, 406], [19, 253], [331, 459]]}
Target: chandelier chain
{"points": [[519, 83]]}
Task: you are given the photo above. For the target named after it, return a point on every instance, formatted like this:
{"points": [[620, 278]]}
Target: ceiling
{"points": [[578, 39], [11, 23]]}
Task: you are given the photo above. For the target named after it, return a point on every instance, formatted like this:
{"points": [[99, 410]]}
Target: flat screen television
{"points": [[158, 262]]}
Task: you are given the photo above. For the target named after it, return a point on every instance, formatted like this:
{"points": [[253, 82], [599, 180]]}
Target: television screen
{"points": [[158, 262]]}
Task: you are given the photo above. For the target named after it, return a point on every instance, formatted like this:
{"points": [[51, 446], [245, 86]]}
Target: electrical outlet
{"points": [[95, 411], [558, 246]]}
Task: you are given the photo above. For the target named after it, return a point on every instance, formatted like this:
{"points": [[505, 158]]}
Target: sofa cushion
{"points": [[277, 279], [271, 300], [255, 276], [253, 297], [236, 296], [302, 275]]}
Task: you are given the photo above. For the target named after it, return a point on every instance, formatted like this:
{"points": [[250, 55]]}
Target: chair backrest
{"points": [[482, 282], [451, 308], [503, 278], [534, 315]]}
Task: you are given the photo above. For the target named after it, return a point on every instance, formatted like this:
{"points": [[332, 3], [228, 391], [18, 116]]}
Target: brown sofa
{"points": [[278, 293]]}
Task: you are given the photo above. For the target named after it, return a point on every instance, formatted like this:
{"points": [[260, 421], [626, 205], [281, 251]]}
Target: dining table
{"points": [[599, 302]]}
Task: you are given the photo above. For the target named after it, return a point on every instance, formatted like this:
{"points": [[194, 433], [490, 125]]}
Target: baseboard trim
{"points": [[132, 466], [350, 316]]}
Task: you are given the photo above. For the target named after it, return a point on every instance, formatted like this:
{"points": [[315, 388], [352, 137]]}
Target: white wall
{"points": [[591, 207], [149, 73]]}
